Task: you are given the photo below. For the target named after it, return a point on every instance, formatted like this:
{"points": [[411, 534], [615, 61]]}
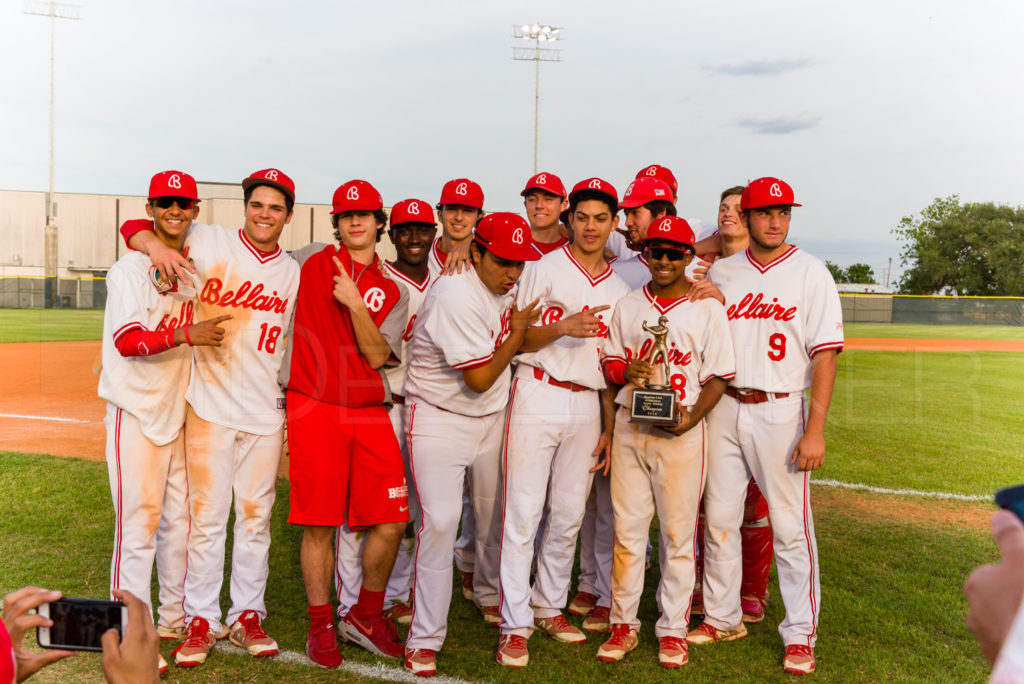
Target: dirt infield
{"points": [[904, 344]]}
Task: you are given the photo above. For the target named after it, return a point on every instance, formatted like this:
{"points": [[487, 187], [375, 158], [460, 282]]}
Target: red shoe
{"points": [[322, 645], [672, 652], [400, 613], [467, 585], [197, 644], [753, 609], [512, 651], [247, 633], [799, 659], [422, 662], [582, 604], [623, 640], [599, 620], [376, 635]]}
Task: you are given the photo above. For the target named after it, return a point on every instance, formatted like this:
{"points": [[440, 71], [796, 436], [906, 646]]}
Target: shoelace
{"points": [[673, 642], [251, 621], [800, 649], [198, 634], [324, 636], [561, 623], [516, 641], [620, 634], [416, 653]]}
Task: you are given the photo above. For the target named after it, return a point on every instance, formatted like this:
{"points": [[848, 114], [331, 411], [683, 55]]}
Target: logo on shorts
{"points": [[174, 181], [353, 193], [398, 492], [271, 175]]}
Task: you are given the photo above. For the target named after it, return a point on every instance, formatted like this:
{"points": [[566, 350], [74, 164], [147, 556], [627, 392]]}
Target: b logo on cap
{"points": [[629, 188], [595, 184], [775, 190], [353, 193], [665, 226], [542, 179], [651, 171], [271, 175], [414, 208], [174, 181], [461, 189], [517, 236]]}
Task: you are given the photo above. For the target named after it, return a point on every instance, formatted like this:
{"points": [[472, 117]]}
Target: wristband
{"points": [[187, 339]]}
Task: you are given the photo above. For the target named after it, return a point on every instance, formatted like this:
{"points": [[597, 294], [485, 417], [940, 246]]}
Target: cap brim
{"points": [[528, 188], [631, 203], [251, 182]]}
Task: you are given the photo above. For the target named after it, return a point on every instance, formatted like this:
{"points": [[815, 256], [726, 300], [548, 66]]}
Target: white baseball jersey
{"points": [[780, 316], [151, 388], [235, 384], [459, 325], [564, 287], [633, 270], [698, 341], [417, 293], [435, 263]]}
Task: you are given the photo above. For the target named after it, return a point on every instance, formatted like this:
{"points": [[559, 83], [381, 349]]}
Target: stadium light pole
{"points": [[53, 10], [538, 33]]}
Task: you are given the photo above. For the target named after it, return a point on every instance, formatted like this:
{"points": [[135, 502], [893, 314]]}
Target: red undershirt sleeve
{"points": [[615, 371], [139, 342]]}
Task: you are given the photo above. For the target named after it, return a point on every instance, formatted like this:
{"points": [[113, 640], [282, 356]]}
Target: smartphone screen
{"points": [[79, 624], [1012, 499]]}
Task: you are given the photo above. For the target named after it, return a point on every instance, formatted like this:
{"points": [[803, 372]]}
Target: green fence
{"points": [[873, 308]]}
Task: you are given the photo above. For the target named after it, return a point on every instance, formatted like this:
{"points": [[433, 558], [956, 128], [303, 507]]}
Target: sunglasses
{"points": [[658, 253], [183, 202]]}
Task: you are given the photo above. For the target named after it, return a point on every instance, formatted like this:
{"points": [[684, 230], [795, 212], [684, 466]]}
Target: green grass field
{"points": [[968, 332], [50, 325]]}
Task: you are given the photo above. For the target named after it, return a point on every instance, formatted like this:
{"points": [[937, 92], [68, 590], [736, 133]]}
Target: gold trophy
{"points": [[656, 403]]}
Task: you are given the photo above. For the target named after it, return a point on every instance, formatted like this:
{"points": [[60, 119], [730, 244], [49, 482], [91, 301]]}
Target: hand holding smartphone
{"points": [[79, 624]]}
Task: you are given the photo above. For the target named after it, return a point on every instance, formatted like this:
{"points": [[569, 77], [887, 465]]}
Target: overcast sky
{"points": [[869, 110]]}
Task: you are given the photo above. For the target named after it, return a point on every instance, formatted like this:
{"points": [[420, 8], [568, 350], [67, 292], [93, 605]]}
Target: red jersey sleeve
{"points": [[133, 226]]}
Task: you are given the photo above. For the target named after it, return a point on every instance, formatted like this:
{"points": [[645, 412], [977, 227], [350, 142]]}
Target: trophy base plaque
{"points": [[654, 407]]}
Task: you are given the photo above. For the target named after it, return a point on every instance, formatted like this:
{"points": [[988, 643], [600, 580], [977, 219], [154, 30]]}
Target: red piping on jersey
{"points": [[118, 529], [705, 381], [261, 256], [774, 262], [420, 287], [657, 301], [608, 270], [474, 363], [126, 327], [838, 346]]}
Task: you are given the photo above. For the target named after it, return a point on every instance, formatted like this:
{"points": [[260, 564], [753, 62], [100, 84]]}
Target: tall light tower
{"points": [[53, 10], [538, 33]]}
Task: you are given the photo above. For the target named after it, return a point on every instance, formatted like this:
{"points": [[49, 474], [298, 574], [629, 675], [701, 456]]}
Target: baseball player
{"points": [[661, 469], [456, 389], [646, 200], [460, 207], [146, 363], [544, 199], [756, 530], [234, 423], [555, 422], [787, 328], [412, 233], [345, 463]]}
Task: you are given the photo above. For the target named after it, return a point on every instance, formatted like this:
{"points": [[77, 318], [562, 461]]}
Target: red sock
{"points": [[320, 614], [370, 603]]}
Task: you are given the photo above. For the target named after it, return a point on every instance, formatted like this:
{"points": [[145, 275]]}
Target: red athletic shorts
{"points": [[344, 465]]}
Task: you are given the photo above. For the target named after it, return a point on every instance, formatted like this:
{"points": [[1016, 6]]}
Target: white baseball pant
{"points": [[465, 545], [150, 495], [655, 472], [759, 439], [348, 545], [444, 448], [548, 452], [222, 461], [597, 535]]}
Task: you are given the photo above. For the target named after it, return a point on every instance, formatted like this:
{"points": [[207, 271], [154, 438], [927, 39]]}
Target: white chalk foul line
{"points": [[379, 672], [901, 492], [53, 418]]}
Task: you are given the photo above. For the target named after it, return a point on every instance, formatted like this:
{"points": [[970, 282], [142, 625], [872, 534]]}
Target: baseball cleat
{"points": [[582, 604], [799, 659], [753, 609], [599, 620], [376, 635], [400, 613], [161, 664], [421, 661], [197, 645], [247, 633], [558, 628], [467, 585], [512, 651], [322, 645], [672, 652], [708, 634], [623, 640], [170, 633], [492, 615]]}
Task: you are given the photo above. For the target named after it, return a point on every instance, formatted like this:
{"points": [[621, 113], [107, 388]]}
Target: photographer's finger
{"points": [[1009, 533], [26, 601]]}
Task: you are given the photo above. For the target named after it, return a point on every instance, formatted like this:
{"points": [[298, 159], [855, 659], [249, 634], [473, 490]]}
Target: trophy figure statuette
{"points": [[655, 404]]}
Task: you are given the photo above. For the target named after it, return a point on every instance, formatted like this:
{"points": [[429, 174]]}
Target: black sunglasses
{"points": [[183, 202], [673, 254]]}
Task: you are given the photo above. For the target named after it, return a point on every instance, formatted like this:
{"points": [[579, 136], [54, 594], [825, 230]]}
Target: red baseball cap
{"points": [[507, 236], [356, 195], [173, 184], [662, 173], [645, 189], [464, 192], [548, 182], [412, 211], [274, 178], [767, 192], [592, 185], [671, 229]]}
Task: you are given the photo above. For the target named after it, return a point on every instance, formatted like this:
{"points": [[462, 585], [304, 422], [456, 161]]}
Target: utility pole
{"points": [[538, 33], [53, 10], [887, 272]]}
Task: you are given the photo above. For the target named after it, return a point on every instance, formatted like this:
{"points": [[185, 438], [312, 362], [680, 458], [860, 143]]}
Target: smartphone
{"points": [[79, 624], [1012, 499]]}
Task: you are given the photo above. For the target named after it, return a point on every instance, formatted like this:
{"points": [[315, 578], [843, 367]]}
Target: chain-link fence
{"points": [[871, 308], [36, 292]]}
